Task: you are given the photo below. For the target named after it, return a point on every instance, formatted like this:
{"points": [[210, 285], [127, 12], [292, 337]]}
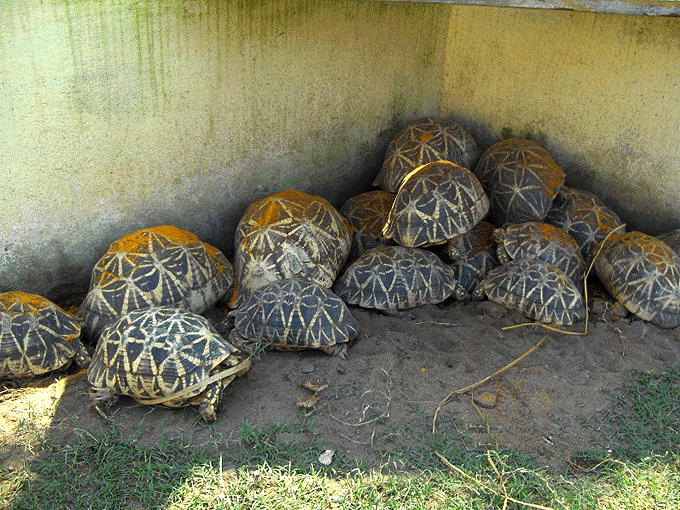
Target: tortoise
{"points": [[37, 336], [397, 278], [643, 273], [471, 270], [672, 239], [436, 202], [521, 180], [367, 212], [423, 141], [158, 266], [467, 245], [536, 289], [584, 216], [534, 239], [289, 234], [164, 355], [294, 314]]}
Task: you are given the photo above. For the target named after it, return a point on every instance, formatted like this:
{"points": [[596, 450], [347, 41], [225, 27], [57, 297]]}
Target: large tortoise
{"points": [[294, 314], [37, 336], [287, 235], [367, 212], [521, 180], [397, 278], [585, 218], [423, 141], [436, 202], [158, 266], [164, 355], [536, 289], [534, 239], [643, 273]]}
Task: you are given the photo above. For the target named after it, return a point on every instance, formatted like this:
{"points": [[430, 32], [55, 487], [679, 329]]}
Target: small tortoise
{"points": [[367, 212], [287, 235], [159, 266], [536, 289], [521, 180], [397, 278], [672, 239], [436, 202], [643, 273], [36, 337], [423, 141], [585, 218], [478, 239], [164, 355], [294, 314], [472, 270], [534, 239]]}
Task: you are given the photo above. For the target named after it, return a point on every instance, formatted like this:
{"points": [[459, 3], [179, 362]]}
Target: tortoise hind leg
{"points": [[339, 350], [211, 399]]}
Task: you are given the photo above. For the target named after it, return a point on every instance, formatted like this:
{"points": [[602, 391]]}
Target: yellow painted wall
{"points": [[120, 114]]}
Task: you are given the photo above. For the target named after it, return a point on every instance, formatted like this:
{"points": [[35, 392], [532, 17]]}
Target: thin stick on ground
{"points": [[478, 383]]}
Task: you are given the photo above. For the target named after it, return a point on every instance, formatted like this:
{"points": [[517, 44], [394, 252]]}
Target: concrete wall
{"points": [[115, 115]]}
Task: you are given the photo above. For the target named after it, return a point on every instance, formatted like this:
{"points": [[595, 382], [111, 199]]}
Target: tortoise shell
{"points": [[536, 289], [159, 266], [534, 239], [436, 202], [584, 216], [643, 273], [367, 212], [289, 234], [521, 180], [294, 314], [397, 278], [471, 270], [164, 355], [478, 239], [672, 239], [37, 336], [423, 141]]}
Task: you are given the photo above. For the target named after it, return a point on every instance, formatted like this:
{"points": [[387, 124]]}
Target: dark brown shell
{"points": [[36, 336], [521, 180], [423, 141], [585, 218], [436, 202], [643, 273], [536, 289], [287, 235], [368, 212]]}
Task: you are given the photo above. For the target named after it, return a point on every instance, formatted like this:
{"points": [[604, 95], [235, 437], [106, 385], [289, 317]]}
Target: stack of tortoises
{"points": [[156, 266], [584, 216], [397, 278], [436, 202], [534, 239], [287, 235], [367, 212], [164, 355], [536, 289], [643, 273], [521, 180], [294, 314], [36, 336], [423, 141]]}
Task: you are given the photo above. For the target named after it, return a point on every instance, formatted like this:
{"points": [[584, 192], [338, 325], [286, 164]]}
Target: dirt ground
{"points": [[399, 369]]}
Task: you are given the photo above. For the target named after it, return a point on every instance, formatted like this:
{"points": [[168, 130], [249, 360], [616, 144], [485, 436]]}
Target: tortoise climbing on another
{"points": [[423, 141], [294, 314], [534, 239], [367, 212], [158, 266], [585, 218], [287, 235], [436, 202], [521, 180], [164, 355], [643, 273], [397, 278], [536, 289], [37, 336]]}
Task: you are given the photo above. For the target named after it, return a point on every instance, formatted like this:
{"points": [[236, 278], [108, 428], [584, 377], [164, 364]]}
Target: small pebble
{"points": [[307, 368], [341, 369]]}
